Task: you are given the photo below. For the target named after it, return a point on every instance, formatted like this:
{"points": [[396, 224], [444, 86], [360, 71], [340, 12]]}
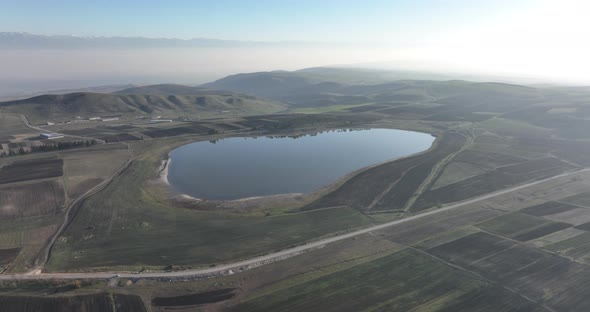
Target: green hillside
{"points": [[67, 106]]}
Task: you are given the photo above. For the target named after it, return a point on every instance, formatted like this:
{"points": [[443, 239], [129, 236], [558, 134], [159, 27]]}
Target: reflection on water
{"points": [[245, 167]]}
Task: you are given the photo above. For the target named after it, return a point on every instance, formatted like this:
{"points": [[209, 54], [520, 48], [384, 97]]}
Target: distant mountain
{"points": [[273, 84], [326, 79], [85, 104], [98, 89], [336, 86], [27, 40], [286, 84], [170, 89]]}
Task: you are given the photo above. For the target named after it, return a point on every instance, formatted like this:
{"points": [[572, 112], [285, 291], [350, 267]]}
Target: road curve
{"points": [[275, 256], [28, 124], [43, 256]]}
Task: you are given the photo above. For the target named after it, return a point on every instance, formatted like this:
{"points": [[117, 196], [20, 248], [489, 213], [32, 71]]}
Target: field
{"points": [[7, 256], [36, 190], [81, 169], [582, 200], [439, 263], [389, 186], [549, 208], [166, 235], [400, 282], [502, 177], [522, 227], [525, 250], [25, 170], [29, 235], [84, 303], [195, 299], [11, 126], [30, 200]]}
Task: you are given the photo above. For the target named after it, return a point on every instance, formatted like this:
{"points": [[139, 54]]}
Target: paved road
{"points": [[275, 256]]}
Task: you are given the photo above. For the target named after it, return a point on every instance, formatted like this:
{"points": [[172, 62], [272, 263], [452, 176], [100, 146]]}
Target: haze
{"points": [[534, 40]]}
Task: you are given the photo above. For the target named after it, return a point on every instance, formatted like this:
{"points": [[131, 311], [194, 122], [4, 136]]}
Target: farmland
{"points": [[523, 250], [131, 215], [482, 265], [401, 282], [391, 184], [36, 190], [87, 303], [37, 199], [34, 169], [195, 299]]}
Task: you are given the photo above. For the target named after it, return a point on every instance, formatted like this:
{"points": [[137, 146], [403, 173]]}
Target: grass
{"points": [[37, 199], [575, 247], [379, 182], [29, 234], [399, 282], [130, 224], [85, 168], [502, 177], [45, 108], [31, 211], [325, 109], [125, 212], [455, 172], [539, 275], [33, 169], [582, 199], [12, 125], [548, 208], [522, 227], [506, 126], [104, 302]]}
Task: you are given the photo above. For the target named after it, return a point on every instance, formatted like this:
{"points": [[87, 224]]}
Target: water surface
{"points": [[235, 168]]}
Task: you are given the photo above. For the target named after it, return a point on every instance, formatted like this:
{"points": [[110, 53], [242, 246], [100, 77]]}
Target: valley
{"points": [[497, 207]]}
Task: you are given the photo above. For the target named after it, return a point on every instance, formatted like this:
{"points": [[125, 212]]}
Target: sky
{"points": [[544, 39], [252, 20]]}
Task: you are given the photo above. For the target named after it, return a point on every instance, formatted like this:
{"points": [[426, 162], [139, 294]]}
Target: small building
{"points": [[51, 136], [49, 123]]}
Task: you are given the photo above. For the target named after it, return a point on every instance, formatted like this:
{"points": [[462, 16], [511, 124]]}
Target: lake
{"points": [[234, 168]]}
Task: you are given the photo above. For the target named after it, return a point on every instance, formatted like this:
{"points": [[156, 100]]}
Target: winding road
{"points": [[239, 266]]}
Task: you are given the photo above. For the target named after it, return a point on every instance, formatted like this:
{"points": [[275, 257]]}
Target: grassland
{"points": [[167, 235], [11, 126], [132, 209], [389, 186], [66, 107], [522, 251], [81, 172]]}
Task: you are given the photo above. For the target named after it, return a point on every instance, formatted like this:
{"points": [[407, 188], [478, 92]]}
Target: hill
{"points": [[320, 87], [168, 89], [137, 102]]}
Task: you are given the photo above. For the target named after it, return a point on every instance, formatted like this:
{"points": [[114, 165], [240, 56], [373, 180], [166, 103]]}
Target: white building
{"points": [[51, 136]]}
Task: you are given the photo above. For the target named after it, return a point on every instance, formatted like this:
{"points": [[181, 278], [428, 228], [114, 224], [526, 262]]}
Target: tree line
{"points": [[48, 147]]}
